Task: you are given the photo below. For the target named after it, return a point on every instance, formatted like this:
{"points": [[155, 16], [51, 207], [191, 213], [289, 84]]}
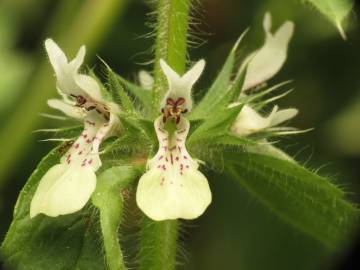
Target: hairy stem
{"points": [[109, 228], [158, 245], [171, 41]]}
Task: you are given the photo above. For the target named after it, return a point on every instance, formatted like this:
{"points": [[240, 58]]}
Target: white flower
{"points": [[178, 98], [269, 59], [66, 187], [249, 121], [173, 187], [69, 80]]}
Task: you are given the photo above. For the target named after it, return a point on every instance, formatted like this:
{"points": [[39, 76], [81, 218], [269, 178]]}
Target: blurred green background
{"points": [[236, 232]]}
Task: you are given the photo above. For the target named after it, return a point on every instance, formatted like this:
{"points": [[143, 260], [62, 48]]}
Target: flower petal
{"points": [[104, 131], [69, 80], [173, 187], [89, 85], [63, 70], [85, 150], [168, 195], [271, 56], [63, 190], [249, 121], [69, 110], [171, 76], [193, 74], [79, 58], [282, 116], [56, 56], [180, 87]]}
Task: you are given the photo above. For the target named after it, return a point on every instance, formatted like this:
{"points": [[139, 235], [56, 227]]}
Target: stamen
{"points": [[173, 109]]}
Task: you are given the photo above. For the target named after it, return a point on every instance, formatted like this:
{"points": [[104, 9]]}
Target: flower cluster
{"points": [[172, 187]]}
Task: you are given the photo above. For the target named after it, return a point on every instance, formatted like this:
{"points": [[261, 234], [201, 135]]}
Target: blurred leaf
{"points": [[109, 200], [15, 69], [343, 132], [335, 10], [65, 242], [307, 201]]}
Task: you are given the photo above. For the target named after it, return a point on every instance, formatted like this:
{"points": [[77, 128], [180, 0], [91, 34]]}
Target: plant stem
{"points": [[109, 199], [87, 27], [158, 245], [109, 228], [171, 42]]}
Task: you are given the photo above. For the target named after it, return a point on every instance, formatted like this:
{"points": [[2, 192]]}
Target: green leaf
{"points": [[109, 200], [118, 93], [220, 86], [267, 148], [144, 96], [335, 10], [232, 94], [217, 124], [65, 242], [230, 139], [309, 202]]}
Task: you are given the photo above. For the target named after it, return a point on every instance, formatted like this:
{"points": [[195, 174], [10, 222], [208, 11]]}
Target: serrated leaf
{"points": [[335, 10], [219, 87], [118, 93], [65, 242], [309, 202], [144, 96], [109, 199], [233, 93]]}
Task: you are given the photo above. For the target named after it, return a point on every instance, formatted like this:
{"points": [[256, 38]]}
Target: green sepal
{"points": [[140, 94], [118, 93], [233, 93], [215, 125], [219, 87]]}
